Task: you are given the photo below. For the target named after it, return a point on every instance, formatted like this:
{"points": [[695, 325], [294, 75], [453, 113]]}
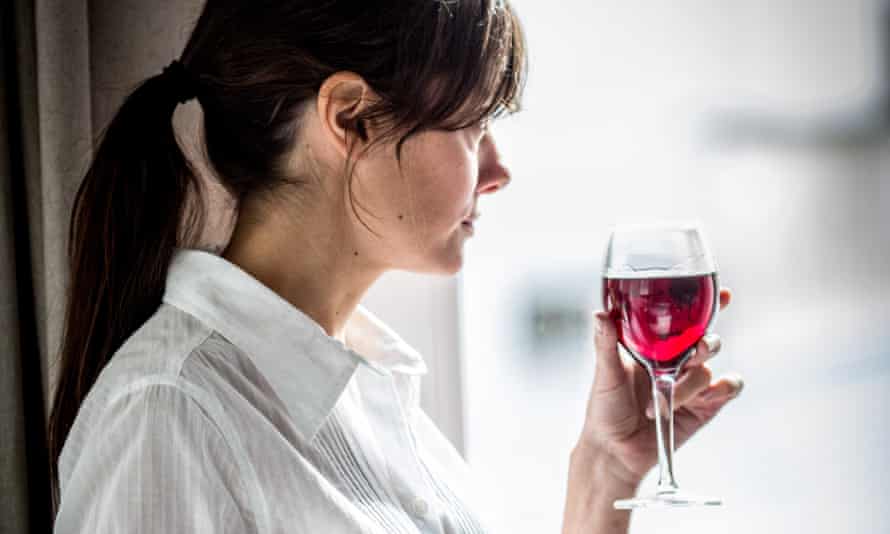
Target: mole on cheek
{"points": [[400, 217]]}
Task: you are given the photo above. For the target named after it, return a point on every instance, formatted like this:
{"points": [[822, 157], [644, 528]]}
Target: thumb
{"points": [[610, 371]]}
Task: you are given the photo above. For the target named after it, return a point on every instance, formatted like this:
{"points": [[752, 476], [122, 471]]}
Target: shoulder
{"points": [[162, 369], [158, 412], [174, 349], [159, 454]]}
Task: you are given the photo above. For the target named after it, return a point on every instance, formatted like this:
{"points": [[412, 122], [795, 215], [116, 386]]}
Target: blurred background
{"points": [[767, 120]]}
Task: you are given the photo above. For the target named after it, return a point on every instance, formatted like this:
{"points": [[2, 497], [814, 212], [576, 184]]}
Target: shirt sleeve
{"points": [[155, 463]]}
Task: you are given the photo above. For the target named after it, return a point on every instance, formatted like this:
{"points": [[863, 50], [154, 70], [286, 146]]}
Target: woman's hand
{"points": [[618, 423]]}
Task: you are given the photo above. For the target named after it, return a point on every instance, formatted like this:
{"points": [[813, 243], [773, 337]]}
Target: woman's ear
{"points": [[341, 98]]}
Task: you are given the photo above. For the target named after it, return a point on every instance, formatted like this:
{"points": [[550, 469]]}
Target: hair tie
{"points": [[180, 83]]}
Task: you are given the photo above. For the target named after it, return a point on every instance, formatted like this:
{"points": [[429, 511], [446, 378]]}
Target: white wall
{"points": [[423, 309], [630, 112]]}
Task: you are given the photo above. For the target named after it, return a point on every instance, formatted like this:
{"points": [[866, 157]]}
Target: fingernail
{"points": [[650, 411], [713, 343], [740, 384], [737, 385], [599, 321]]}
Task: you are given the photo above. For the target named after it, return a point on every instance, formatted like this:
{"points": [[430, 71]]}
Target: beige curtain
{"points": [[66, 67]]}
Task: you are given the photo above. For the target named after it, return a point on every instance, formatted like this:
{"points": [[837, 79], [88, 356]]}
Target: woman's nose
{"points": [[493, 173]]}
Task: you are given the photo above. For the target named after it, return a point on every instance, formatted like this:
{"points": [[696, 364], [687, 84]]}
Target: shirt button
{"points": [[419, 507]]}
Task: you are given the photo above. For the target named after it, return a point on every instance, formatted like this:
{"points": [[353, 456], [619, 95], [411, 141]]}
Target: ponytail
{"points": [[124, 227]]}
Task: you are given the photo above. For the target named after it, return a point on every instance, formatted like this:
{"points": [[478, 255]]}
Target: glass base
{"points": [[667, 499]]}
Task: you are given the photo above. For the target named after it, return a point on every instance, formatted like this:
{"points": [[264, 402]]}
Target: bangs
{"points": [[458, 63], [482, 64], [455, 64]]}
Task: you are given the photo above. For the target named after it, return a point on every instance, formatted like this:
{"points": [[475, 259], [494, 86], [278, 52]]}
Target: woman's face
{"points": [[415, 210], [420, 209]]}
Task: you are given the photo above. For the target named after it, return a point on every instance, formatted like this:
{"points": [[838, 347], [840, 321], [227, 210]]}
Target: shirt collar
{"points": [[307, 368]]}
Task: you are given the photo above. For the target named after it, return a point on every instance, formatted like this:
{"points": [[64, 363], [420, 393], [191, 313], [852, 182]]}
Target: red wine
{"points": [[660, 319]]}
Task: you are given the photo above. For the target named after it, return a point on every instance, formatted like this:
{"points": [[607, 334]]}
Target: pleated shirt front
{"points": [[230, 410]]}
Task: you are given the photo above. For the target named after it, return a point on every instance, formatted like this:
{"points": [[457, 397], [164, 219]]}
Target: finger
{"points": [[691, 383], [699, 412], [729, 386], [707, 347], [610, 372], [725, 297]]}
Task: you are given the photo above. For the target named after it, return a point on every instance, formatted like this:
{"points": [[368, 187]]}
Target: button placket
{"points": [[385, 408]]}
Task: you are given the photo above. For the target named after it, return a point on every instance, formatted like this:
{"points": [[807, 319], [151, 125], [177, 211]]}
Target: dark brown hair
{"points": [[436, 64]]}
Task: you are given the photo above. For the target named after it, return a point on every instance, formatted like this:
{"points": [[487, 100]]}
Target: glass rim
{"points": [[670, 224], [616, 274], [674, 271]]}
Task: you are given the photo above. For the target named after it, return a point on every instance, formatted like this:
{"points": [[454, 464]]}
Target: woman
{"points": [[249, 391]]}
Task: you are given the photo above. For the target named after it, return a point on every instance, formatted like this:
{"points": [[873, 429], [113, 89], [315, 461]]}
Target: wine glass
{"points": [[660, 287]]}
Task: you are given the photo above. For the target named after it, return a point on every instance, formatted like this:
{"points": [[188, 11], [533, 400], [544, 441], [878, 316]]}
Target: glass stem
{"points": [[663, 402]]}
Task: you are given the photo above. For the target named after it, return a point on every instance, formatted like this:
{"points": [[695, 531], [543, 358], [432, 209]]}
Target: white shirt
{"points": [[230, 410]]}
